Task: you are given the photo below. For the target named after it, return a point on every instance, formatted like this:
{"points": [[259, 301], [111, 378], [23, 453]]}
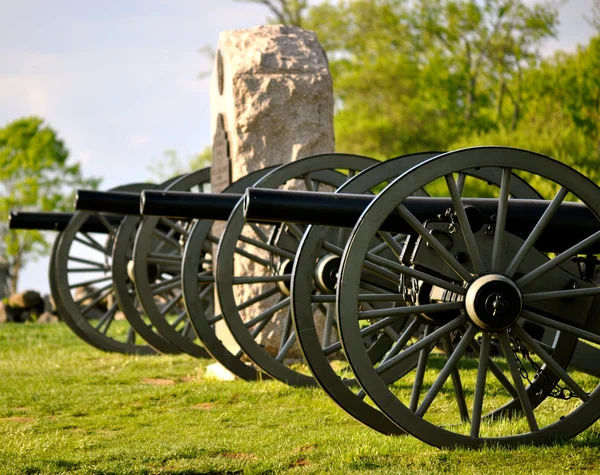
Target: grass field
{"points": [[68, 408]]}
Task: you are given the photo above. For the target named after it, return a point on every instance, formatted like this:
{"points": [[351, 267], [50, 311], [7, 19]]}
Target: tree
{"points": [[172, 165], [418, 75], [287, 12], [34, 175]]}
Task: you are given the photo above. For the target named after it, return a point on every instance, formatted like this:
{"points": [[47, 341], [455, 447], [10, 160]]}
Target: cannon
{"points": [[427, 282], [483, 284], [92, 234], [161, 265]]}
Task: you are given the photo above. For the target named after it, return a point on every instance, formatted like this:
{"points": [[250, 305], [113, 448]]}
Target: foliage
{"points": [[413, 76], [66, 407], [561, 111], [171, 165], [34, 175], [287, 12]]}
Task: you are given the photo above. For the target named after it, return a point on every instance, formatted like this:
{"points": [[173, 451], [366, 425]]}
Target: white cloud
{"points": [[137, 140]]}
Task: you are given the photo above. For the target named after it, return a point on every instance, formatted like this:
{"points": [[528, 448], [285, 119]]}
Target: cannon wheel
{"points": [[546, 419], [155, 265], [315, 249], [269, 251], [83, 260], [199, 288]]}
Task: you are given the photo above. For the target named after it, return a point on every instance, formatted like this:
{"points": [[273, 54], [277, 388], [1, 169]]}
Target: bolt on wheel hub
{"points": [[493, 302]]}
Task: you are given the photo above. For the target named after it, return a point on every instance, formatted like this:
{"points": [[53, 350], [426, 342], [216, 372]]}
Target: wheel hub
{"points": [[326, 273], [493, 302]]}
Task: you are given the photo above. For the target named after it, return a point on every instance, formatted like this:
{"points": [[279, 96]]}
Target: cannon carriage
{"points": [[431, 283]]}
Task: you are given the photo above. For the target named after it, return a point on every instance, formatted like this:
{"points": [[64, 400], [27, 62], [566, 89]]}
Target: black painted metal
{"points": [[53, 221], [117, 202], [344, 210], [184, 205]]}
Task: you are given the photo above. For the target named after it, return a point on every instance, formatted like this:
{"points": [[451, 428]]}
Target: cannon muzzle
{"points": [[572, 223], [114, 202], [56, 221], [186, 205]]}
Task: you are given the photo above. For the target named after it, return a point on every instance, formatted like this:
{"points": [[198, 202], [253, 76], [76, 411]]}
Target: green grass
{"points": [[68, 408]]}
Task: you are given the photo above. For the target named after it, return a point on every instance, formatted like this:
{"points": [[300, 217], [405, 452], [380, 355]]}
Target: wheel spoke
{"points": [[486, 340], [285, 348], [389, 240], [165, 285], [174, 226], [446, 370], [495, 370], [90, 282], [131, 336], [287, 327], [436, 245], [456, 383], [252, 257], [259, 232], [421, 367], [561, 294], [549, 322], [460, 182], [94, 294], [107, 291], [94, 243], [261, 279], [500, 220], [465, 226], [94, 246], [267, 247], [180, 318], [562, 257], [108, 315], [518, 382], [384, 245], [401, 342], [404, 311], [164, 239], [170, 304], [536, 232], [329, 317], [109, 227], [429, 340], [268, 313], [308, 182], [94, 264], [164, 258]]}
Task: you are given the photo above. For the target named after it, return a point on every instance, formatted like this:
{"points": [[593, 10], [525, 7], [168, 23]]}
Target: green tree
{"points": [[34, 175], [287, 12], [172, 165], [417, 75], [561, 111]]}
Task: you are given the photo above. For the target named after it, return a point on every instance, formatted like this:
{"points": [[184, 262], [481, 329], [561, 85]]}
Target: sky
{"points": [[119, 79]]}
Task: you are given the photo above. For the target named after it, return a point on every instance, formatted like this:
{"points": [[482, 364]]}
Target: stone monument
{"points": [[271, 103]]}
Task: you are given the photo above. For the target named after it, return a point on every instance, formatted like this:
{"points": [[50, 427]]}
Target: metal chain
{"points": [[556, 391]]}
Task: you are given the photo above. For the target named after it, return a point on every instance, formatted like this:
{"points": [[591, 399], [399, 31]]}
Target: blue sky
{"points": [[118, 79]]}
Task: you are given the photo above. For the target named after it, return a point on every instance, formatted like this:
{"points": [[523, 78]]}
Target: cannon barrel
{"points": [[186, 205], [114, 202], [53, 221], [572, 223]]}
